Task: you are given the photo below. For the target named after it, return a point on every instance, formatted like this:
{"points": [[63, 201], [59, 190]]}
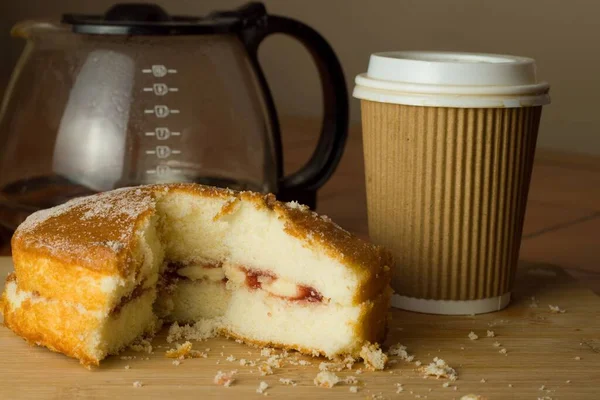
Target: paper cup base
{"points": [[451, 307]]}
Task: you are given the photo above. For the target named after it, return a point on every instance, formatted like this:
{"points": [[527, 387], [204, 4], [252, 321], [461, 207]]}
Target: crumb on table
{"points": [[225, 378], [326, 379]]}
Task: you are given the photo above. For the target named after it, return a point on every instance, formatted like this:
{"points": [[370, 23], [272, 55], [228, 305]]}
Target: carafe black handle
{"points": [[302, 185]]}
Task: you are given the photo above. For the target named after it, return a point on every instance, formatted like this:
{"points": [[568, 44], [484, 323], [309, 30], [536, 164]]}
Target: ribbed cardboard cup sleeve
{"points": [[446, 193]]}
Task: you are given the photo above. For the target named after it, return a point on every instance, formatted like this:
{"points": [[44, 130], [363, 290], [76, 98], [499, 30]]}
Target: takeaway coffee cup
{"points": [[449, 141]]}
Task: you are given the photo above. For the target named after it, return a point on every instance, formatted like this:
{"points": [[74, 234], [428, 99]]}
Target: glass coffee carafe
{"points": [[136, 96]]}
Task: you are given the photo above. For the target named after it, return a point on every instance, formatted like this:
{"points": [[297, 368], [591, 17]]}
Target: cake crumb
{"points": [[225, 378], [353, 389], [543, 387], [568, 381], [510, 385], [127, 367], [142, 345], [491, 334], [578, 358], [326, 379], [503, 351], [482, 380], [556, 309], [137, 384], [440, 369], [349, 361], [497, 344], [351, 380], [418, 363], [472, 397], [183, 351], [473, 336], [247, 363], [399, 388], [304, 362], [373, 357], [359, 371], [445, 384], [201, 330], [176, 363], [400, 351], [274, 361], [231, 358], [266, 352], [287, 381], [331, 366], [533, 303], [262, 386], [265, 369]]}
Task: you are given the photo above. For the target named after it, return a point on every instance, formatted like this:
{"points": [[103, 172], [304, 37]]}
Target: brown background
{"points": [[562, 36]]}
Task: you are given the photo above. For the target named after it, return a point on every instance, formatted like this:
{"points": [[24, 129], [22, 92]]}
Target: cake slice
{"points": [[96, 273]]}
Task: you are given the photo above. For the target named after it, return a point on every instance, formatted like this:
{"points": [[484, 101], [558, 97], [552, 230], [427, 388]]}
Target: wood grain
{"points": [[541, 350]]}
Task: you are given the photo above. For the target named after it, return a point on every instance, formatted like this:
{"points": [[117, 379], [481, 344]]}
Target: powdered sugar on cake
{"points": [[106, 220]]}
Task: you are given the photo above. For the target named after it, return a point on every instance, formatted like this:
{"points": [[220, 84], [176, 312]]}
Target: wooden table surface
{"points": [[548, 356]]}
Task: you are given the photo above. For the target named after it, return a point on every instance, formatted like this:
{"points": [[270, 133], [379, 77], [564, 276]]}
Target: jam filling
{"points": [[170, 275], [255, 280]]}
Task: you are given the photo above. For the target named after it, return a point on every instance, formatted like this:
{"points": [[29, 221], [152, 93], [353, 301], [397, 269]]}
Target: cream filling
{"points": [[272, 285]]}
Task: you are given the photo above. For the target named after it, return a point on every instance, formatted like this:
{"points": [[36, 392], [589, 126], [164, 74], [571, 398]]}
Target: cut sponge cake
{"points": [[96, 273]]}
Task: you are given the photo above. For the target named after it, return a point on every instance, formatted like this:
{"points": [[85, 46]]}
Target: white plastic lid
{"points": [[447, 79]]}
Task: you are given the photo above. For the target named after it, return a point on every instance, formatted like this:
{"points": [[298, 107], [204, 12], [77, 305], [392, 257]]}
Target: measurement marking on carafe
{"points": [[159, 70], [163, 151], [163, 170], [161, 111], [162, 133], [160, 89]]}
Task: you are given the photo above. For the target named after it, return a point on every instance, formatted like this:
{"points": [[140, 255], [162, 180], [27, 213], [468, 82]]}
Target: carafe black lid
{"points": [[151, 19]]}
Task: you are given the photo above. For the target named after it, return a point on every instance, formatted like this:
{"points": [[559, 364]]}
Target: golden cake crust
{"points": [[31, 321], [94, 232]]}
